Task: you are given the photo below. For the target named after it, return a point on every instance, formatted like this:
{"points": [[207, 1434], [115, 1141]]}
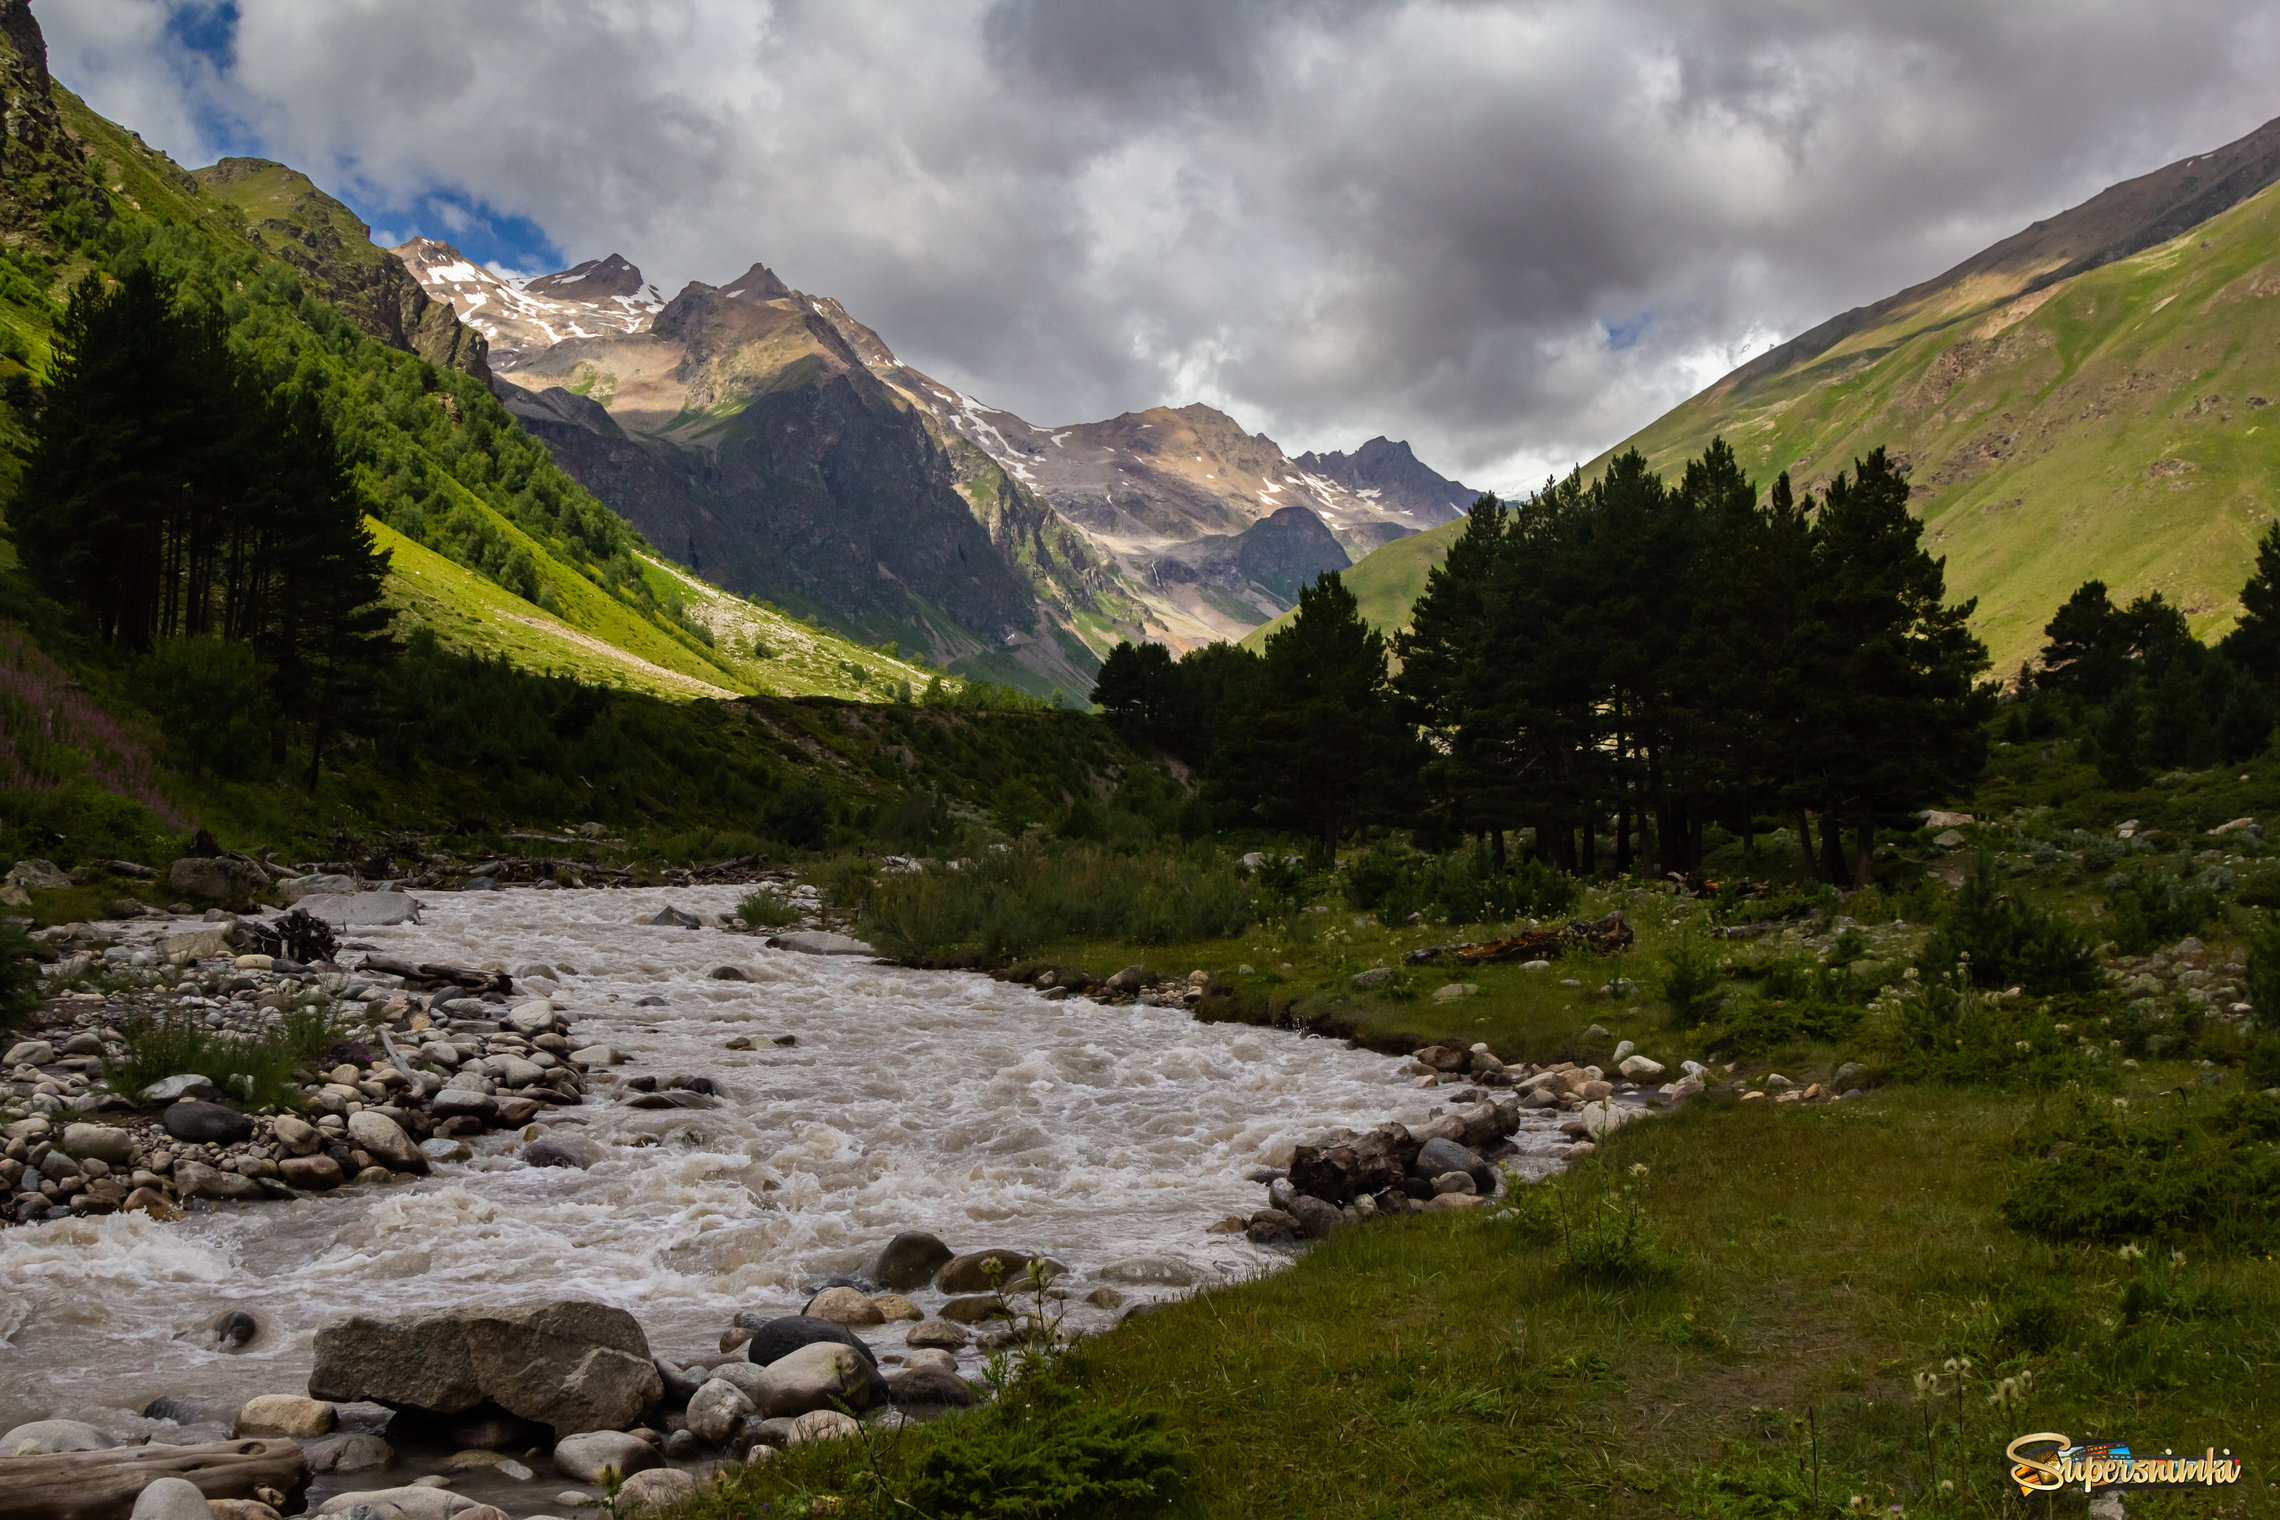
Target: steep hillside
{"points": [[1384, 583], [487, 533], [2084, 399]]}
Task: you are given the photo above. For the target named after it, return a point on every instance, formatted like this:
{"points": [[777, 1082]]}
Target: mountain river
{"points": [[941, 1101]]}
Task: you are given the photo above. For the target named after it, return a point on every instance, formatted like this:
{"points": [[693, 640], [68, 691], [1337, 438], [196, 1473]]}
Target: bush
{"points": [[19, 976], [2152, 907], [212, 700], [2111, 1174], [1688, 979], [1948, 1031], [2007, 941], [1796, 1000], [766, 908], [257, 1072], [1461, 887], [2262, 978], [1013, 900], [1605, 1236], [1730, 906]]}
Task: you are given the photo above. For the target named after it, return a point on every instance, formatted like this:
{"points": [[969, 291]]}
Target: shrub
{"points": [[2108, 1173], [1012, 900], [2262, 978], [1730, 906], [1949, 1031], [19, 975], [1797, 1000], [1688, 979], [257, 1071], [212, 700], [2152, 907], [1458, 888], [1605, 1236], [2007, 941], [766, 908]]}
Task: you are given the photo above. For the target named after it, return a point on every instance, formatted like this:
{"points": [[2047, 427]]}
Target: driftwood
{"points": [[429, 972], [102, 1485], [1602, 936]]}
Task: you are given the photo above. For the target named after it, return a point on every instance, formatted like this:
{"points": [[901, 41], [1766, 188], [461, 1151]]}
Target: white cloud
{"points": [[1334, 220]]}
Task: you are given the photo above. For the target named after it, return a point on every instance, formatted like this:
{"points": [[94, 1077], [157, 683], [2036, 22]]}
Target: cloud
{"points": [[1511, 231]]}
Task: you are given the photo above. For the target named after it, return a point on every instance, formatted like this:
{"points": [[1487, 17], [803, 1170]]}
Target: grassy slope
{"points": [[1385, 582], [467, 610], [2112, 425]]}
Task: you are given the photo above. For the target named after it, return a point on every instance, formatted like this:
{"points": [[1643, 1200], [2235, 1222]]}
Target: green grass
{"points": [[255, 1072]]}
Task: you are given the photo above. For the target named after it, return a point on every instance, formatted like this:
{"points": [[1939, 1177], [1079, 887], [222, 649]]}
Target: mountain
{"points": [[766, 437], [493, 548], [2084, 399]]}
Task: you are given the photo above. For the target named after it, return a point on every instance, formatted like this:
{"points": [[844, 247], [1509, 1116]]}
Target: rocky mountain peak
{"points": [[593, 282], [759, 283]]}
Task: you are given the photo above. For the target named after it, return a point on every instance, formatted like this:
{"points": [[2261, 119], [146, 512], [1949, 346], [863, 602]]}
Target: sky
{"points": [[1511, 232]]}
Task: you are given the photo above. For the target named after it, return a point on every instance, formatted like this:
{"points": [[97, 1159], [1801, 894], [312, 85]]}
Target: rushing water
{"points": [[910, 1100]]}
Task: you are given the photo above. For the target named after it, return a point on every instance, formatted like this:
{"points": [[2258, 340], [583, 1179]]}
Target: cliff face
{"points": [[41, 167], [333, 250]]}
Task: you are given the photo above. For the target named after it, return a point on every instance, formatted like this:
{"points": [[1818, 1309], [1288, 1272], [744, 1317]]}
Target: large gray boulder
{"points": [[819, 942], [104, 1142], [171, 1499], [215, 879], [822, 1375], [574, 1365], [779, 1337], [385, 1139], [715, 1408], [294, 888], [46, 1437], [909, 1261]]}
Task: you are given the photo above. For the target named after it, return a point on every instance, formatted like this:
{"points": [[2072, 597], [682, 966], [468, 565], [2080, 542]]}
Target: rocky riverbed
{"points": [[801, 1110]]}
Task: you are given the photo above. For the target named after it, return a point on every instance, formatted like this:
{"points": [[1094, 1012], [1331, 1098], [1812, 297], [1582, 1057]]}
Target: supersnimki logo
{"points": [[2046, 1461]]}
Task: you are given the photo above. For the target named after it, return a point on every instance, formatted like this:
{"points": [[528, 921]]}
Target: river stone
{"points": [[589, 1458], [195, 1179], [1162, 1271], [463, 1103], [1316, 1218], [284, 1414], [199, 944], [654, 1489], [972, 1308], [715, 1408], [909, 1261], [171, 1499], [1436, 1157], [573, 1365], [774, 1339], [37, 875], [596, 1055], [45, 1437], [349, 1453], [817, 1376], [213, 878], [29, 1053], [927, 1356], [895, 1306], [103, 1142], [310, 1173], [239, 1509], [297, 1135], [930, 1385], [533, 1018], [233, 1328], [822, 1425], [575, 1151], [387, 1142], [208, 1123], [1640, 1068], [845, 1306], [819, 942], [293, 888], [413, 1501], [970, 1273], [362, 910], [938, 1335], [514, 1071], [445, 1149]]}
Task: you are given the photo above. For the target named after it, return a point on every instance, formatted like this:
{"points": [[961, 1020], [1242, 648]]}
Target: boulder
{"points": [[214, 879], [909, 1261], [1640, 1068], [970, 1273], [1271, 1227], [535, 1017], [774, 1339], [293, 888], [385, 1139], [362, 910], [717, 1406], [845, 1306], [1372, 979], [671, 917], [575, 1151], [297, 1135], [206, 1123], [972, 1308], [1316, 1217], [930, 1385], [29, 1053], [195, 1179], [171, 1499], [895, 1306], [463, 1103], [655, 1489], [411, 1502], [1602, 1117], [310, 1173], [101, 1142], [1438, 1157], [822, 1425], [588, 1458], [1160, 1271], [820, 1375], [284, 1414], [46, 1437], [574, 1365], [351, 1452], [198, 944], [938, 1335], [37, 876]]}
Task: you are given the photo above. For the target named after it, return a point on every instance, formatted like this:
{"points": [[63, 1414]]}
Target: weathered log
{"points": [[102, 1485]]}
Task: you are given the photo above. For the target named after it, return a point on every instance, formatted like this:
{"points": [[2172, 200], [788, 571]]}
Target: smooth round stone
{"points": [[171, 1499], [445, 1150], [45, 1437]]}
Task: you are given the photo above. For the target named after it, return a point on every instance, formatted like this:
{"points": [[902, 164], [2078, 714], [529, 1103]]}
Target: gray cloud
{"points": [[1510, 232]]}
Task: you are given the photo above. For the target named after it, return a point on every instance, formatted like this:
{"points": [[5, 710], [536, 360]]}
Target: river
{"points": [[909, 1100]]}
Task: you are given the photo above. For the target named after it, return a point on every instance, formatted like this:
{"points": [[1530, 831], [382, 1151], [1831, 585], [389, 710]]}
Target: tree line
{"points": [[1611, 664]]}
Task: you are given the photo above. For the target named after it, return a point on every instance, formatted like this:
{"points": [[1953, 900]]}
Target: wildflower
{"points": [[2131, 1252], [1638, 1169], [2177, 1258], [2024, 1046], [1947, 1485]]}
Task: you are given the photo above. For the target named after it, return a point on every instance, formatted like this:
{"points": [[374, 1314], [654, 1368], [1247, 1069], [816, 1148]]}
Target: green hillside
{"points": [[493, 546], [1385, 582], [2085, 399]]}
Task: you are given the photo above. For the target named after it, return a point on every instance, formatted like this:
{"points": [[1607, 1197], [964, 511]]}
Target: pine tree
{"points": [[2254, 643]]}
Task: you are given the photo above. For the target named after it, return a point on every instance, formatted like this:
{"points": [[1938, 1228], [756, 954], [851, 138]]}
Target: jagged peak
{"points": [[595, 280], [759, 283]]}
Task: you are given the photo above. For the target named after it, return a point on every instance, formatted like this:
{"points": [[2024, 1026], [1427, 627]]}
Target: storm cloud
{"points": [[1511, 233]]}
